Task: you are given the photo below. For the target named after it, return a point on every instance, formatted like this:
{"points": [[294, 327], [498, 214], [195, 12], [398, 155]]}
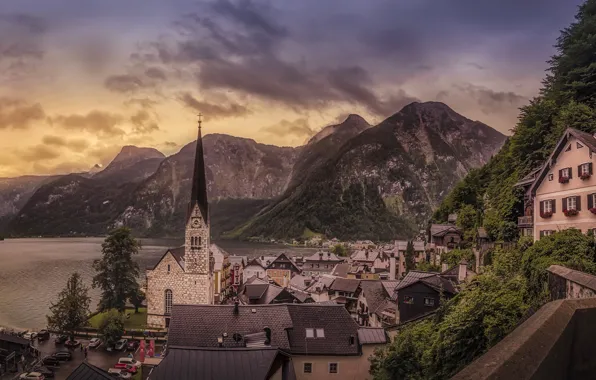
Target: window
{"points": [[168, 268], [320, 333], [550, 177], [572, 203], [546, 233], [578, 145], [547, 206], [315, 333], [199, 241], [565, 172], [169, 298], [584, 169], [429, 301], [568, 148], [332, 367], [307, 367], [310, 333], [408, 299]]}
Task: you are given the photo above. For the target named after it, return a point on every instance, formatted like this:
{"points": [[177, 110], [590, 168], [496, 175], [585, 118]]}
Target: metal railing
{"points": [[525, 220]]}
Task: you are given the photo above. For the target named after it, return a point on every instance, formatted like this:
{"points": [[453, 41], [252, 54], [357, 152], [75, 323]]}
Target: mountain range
{"points": [[351, 180]]}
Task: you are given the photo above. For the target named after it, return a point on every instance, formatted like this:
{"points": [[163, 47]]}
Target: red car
{"points": [[129, 368]]}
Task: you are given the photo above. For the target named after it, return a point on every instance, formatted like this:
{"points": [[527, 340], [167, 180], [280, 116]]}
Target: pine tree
{"points": [[409, 256], [71, 310], [117, 272]]}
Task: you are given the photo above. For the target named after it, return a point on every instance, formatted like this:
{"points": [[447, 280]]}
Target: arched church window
{"points": [[168, 268], [168, 300], [199, 241]]}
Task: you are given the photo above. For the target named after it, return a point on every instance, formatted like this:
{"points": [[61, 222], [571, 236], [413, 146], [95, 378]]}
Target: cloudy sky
{"points": [[79, 81]]}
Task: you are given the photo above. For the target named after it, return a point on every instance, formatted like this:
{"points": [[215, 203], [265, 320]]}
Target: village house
{"points": [[562, 193], [260, 292], [320, 262], [184, 275], [322, 340], [375, 306], [420, 254], [237, 264], [345, 292], [444, 237], [316, 287], [221, 274], [362, 245], [281, 270], [254, 268]]}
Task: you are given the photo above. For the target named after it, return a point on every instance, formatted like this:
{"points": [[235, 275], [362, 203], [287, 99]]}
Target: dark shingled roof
{"points": [[14, 339], [200, 325], [439, 284], [255, 291], [86, 371], [178, 254], [412, 277], [372, 335], [442, 229], [341, 270], [375, 294], [345, 285], [186, 363]]}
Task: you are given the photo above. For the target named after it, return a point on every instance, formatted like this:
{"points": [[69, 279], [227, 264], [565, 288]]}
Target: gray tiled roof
{"points": [[255, 291], [341, 270], [323, 256], [372, 335], [222, 364], [412, 277], [439, 283], [86, 371], [440, 229], [345, 285], [14, 339], [390, 286], [200, 325], [581, 278], [375, 294]]}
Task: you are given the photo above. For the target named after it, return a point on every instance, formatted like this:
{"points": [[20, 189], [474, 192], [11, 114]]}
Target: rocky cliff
{"points": [[383, 183]]}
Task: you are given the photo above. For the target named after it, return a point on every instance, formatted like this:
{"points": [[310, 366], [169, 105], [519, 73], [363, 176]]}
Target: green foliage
{"points": [[409, 256], [117, 272], [569, 248], [455, 256], [111, 327], [428, 267], [70, 312], [340, 250]]}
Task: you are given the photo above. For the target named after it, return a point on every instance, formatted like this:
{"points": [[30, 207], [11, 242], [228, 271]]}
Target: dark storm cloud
{"points": [[38, 153], [491, 101], [143, 122], [21, 43], [298, 128], [100, 123], [125, 83], [18, 114], [155, 73], [212, 110]]}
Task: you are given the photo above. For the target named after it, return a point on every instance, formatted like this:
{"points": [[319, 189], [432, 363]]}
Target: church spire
{"points": [[199, 180]]}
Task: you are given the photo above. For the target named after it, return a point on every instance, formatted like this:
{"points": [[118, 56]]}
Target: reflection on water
{"points": [[33, 271]]}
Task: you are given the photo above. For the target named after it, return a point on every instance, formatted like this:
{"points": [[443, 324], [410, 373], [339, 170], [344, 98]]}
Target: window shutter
{"points": [[579, 170], [590, 168], [554, 206], [541, 233], [570, 173], [578, 203], [590, 201], [564, 202], [541, 208]]}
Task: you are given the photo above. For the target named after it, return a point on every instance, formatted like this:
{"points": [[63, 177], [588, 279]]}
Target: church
{"points": [[184, 275]]}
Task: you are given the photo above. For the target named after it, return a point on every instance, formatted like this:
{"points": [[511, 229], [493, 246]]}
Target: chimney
{"points": [[444, 267], [236, 307], [392, 267], [463, 270]]}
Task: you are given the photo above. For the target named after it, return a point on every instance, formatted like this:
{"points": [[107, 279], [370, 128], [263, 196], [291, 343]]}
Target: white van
{"points": [[130, 361], [119, 373]]}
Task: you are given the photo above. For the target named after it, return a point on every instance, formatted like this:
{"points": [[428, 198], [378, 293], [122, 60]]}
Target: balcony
{"points": [[525, 221]]}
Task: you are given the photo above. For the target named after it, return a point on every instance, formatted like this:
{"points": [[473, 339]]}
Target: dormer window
{"points": [[315, 333], [564, 175]]}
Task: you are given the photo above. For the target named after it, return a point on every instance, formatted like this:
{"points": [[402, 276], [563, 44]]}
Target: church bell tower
{"points": [[196, 245]]}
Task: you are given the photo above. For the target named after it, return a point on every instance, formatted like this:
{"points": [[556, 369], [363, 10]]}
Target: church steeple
{"points": [[199, 181]]}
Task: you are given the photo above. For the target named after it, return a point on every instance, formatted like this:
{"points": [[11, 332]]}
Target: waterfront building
{"points": [[184, 275]]}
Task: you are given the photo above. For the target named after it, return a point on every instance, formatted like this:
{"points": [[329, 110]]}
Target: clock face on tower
{"points": [[196, 222]]}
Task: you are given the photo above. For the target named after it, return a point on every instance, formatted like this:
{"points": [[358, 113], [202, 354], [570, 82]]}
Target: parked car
{"points": [[63, 356], [132, 345], [46, 372], [43, 335], [30, 335], [72, 343], [126, 367], [60, 339], [118, 373], [32, 376], [51, 361], [95, 342], [130, 361], [120, 345]]}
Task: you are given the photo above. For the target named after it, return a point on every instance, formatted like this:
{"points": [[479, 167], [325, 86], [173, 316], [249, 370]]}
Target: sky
{"points": [[78, 80]]}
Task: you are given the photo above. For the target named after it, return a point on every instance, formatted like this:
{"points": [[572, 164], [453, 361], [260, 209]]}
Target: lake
{"points": [[34, 271]]}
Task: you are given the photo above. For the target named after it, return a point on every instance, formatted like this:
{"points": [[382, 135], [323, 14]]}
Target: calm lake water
{"points": [[33, 271]]}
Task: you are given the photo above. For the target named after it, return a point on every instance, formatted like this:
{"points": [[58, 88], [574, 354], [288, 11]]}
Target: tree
{"points": [[117, 272], [409, 256], [111, 327], [71, 310], [340, 250], [137, 298]]}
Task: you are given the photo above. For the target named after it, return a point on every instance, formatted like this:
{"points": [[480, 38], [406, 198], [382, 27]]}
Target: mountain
{"points": [[239, 171], [383, 183], [15, 192], [148, 192]]}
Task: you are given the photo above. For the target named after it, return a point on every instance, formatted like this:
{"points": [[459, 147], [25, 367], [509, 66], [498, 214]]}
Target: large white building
{"points": [[184, 275]]}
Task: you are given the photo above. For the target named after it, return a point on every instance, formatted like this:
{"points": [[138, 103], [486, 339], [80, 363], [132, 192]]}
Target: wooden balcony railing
{"points": [[525, 221]]}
